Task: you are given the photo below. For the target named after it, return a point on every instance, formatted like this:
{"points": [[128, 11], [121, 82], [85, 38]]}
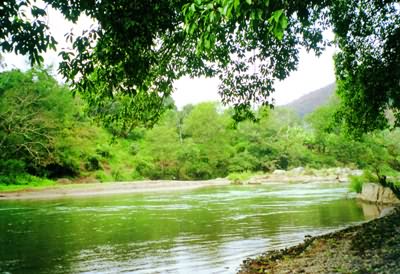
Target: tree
{"points": [[33, 114], [24, 33], [162, 145], [140, 48], [208, 127]]}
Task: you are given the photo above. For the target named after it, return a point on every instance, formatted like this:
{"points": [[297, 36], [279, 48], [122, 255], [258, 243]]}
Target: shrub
{"points": [[356, 183], [92, 164], [240, 176], [103, 152], [11, 167], [102, 176], [145, 167], [119, 175], [22, 181], [134, 149], [368, 176]]}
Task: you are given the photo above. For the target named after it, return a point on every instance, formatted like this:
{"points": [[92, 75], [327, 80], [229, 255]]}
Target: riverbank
{"points": [[372, 247], [81, 187], [96, 189]]}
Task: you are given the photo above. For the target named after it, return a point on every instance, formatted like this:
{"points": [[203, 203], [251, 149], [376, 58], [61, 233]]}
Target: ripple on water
{"points": [[204, 231]]}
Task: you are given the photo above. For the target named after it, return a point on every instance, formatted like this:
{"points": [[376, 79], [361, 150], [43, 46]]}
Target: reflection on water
{"points": [[208, 230], [373, 210]]}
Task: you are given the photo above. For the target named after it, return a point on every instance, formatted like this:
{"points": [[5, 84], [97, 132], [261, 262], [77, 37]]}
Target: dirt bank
{"points": [[372, 247], [75, 190]]}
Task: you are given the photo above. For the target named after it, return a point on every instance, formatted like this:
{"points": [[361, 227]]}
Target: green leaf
{"points": [[192, 28], [212, 16], [236, 4], [192, 8], [259, 14], [283, 22], [277, 14]]}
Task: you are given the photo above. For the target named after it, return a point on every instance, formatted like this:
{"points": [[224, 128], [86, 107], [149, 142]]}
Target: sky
{"points": [[313, 72]]}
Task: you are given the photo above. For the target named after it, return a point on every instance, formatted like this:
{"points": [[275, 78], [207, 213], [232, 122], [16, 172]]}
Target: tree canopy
{"points": [[45, 133], [138, 48]]}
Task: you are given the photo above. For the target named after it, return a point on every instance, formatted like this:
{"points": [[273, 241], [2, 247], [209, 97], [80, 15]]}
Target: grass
{"points": [[356, 183], [23, 182], [241, 176], [31, 182]]}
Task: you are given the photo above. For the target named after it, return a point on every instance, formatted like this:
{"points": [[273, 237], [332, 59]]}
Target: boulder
{"points": [[279, 172], [356, 172], [297, 171], [378, 194], [342, 171]]}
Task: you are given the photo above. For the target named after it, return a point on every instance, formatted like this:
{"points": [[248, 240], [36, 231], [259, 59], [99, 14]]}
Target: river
{"points": [[208, 230]]}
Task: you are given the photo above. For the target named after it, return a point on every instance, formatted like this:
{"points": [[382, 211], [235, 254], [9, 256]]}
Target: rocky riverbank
{"points": [[372, 247], [304, 175]]}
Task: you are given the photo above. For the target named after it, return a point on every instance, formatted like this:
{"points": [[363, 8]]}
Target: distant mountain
{"points": [[309, 102]]}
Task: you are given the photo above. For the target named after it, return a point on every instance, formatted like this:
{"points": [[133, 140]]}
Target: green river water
{"points": [[208, 230]]}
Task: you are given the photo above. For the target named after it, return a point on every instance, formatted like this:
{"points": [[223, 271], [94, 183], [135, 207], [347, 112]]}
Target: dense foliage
{"points": [[44, 132], [34, 111], [136, 49]]}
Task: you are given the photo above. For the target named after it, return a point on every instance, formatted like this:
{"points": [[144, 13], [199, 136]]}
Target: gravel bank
{"points": [[372, 247]]}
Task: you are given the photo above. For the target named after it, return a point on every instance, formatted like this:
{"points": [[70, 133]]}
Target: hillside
{"points": [[312, 100]]}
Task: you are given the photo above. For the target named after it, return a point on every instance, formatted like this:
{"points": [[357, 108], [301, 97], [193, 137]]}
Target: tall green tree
{"points": [[34, 110], [161, 148], [208, 127]]}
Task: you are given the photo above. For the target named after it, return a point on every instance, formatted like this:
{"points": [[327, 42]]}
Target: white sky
{"points": [[312, 73]]}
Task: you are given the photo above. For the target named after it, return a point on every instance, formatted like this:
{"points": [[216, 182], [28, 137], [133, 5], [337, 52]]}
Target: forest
{"points": [[46, 134]]}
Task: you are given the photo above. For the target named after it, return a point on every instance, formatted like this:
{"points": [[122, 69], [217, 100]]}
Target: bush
{"points": [[103, 176], [240, 176], [134, 149], [92, 164], [22, 181], [119, 175], [368, 176], [145, 167], [356, 183], [103, 152], [242, 162], [11, 167]]}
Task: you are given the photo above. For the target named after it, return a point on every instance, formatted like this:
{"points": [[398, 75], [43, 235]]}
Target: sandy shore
{"points": [[96, 189]]}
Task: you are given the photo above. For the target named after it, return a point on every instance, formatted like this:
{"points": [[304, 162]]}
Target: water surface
{"points": [[208, 230]]}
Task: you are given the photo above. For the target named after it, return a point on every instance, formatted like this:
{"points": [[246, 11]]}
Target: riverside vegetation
{"points": [[47, 134]]}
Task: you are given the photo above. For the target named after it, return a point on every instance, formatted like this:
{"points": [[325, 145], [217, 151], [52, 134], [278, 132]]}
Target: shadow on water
{"points": [[209, 230]]}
